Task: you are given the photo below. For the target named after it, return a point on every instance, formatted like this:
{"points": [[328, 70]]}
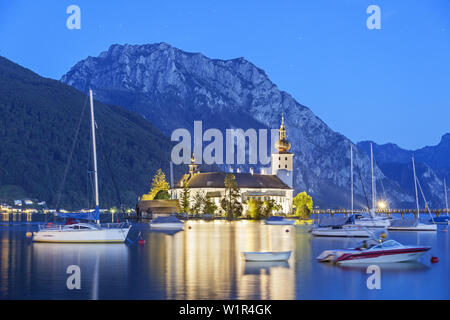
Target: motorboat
{"points": [[410, 225], [267, 256], [339, 227], [276, 220], [374, 251], [84, 232], [167, 223]]}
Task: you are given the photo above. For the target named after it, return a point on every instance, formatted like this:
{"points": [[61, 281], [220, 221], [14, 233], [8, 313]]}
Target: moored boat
{"points": [[275, 220], [339, 227], [267, 256], [84, 232], [411, 225], [374, 251], [167, 223]]}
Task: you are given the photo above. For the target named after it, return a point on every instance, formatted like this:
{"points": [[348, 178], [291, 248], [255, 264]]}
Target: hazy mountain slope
{"points": [[37, 127]]}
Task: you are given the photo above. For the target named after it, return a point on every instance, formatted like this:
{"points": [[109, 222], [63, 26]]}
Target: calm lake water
{"points": [[204, 262]]}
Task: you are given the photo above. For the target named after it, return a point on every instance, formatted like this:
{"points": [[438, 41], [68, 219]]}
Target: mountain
{"points": [[38, 121], [432, 166], [171, 88]]}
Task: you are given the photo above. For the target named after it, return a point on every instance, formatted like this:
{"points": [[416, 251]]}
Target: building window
{"points": [[286, 166], [286, 158], [279, 158], [279, 166]]}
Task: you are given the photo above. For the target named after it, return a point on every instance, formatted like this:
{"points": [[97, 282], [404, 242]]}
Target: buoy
{"points": [[141, 241], [434, 259], [28, 234]]}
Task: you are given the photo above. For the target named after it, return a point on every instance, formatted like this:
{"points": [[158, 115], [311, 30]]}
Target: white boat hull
{"points": [[374, 223], [267, 256], [344, 232], [419, 227], [285, 222], [167, 226], [82, 236], [403, 257]]}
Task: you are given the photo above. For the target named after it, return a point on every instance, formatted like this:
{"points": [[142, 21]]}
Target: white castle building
{"points": [[276, 185]]}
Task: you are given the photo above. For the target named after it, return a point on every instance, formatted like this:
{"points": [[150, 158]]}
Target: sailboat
{"points": [[412, 224], [443, 219], [89, 231], [374, 221], [341, 226]]}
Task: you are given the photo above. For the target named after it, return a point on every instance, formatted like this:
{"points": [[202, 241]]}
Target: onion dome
{"points": [[282, 145]]}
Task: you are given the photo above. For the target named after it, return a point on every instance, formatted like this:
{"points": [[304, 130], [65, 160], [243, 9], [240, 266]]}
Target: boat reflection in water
{"points": [[258, 267], [51, 260], [205, 261], [412, 266]]}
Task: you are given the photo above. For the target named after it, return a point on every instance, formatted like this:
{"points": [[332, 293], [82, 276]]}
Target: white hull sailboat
{"points": [[374, 220], [82, 232], [85, 232], [342, 226], [413, 225]]}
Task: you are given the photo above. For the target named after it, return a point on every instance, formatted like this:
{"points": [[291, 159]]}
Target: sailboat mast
{"points": [[351, 174], [373, 181], [415, 186], [94, 151], [445, 192]]}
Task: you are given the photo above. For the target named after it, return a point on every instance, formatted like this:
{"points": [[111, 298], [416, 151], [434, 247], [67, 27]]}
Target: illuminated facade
{"points": [[277, 186]]}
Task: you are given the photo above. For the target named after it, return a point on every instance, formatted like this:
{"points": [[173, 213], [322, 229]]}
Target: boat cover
{"points": [[90, 215], [275, 218], [404, 223], [169, 219], [333, 221]]}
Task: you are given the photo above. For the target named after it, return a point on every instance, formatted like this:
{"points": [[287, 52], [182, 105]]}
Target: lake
{"points": [[205, 262]]}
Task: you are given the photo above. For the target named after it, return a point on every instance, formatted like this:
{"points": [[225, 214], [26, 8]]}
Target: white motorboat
{"points": [[85, 232], [279, 221], [82, 233], [339, 227], [267, 256], [167, 223], [374, 251]]}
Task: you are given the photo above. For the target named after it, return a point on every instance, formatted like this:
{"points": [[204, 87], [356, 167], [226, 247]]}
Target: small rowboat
{"points": [[267, 256]]}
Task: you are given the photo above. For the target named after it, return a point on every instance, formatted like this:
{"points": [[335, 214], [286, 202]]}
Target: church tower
{"points": [[282, 159], [193, 167]]}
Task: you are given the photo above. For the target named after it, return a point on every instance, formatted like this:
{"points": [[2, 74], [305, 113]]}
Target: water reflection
{"points": [[205, 261], [99, 263]]}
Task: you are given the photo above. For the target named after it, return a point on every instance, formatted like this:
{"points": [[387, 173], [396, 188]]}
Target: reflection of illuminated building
{"points": [[205, 262]]}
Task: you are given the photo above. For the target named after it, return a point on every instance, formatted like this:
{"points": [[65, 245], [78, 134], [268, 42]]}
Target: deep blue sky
{"points": [[388, 85]]}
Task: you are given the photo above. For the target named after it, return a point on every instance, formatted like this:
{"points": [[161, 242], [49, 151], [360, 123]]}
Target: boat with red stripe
{"points": [[373, 251]]}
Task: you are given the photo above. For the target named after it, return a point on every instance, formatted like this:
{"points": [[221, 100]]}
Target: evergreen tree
{"points": [[230, 202], [198, 204], [185, 202], [209, 206], [254, 208]]}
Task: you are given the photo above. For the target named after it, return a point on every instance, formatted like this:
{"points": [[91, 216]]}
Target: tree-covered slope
{"points": [[38, 122]]}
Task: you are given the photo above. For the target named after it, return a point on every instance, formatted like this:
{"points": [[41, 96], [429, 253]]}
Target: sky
{"points": [[386, 85]]}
